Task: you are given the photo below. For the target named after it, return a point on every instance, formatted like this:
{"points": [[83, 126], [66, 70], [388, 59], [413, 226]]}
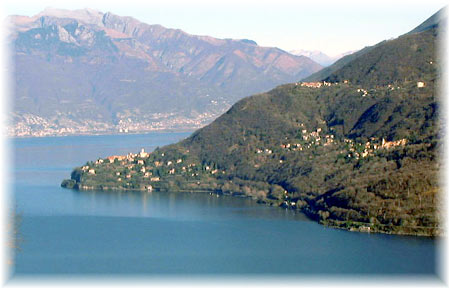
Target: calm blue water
{"points": [[70, 232]]}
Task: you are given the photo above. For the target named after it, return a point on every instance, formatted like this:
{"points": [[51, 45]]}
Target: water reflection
{"points": [[178, 205]]}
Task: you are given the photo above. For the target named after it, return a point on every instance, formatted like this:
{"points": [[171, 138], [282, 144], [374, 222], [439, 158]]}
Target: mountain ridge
{"points": [[437, 19], [179, 81]]}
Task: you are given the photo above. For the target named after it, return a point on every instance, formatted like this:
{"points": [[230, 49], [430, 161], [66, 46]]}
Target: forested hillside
{"points": [[356, 151], [386, 56]]}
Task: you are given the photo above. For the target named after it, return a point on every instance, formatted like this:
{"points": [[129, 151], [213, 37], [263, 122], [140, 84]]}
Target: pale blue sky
{"points": [[329, 26]]}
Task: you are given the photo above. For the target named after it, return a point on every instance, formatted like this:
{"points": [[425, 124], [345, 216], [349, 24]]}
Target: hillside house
{"points": [[111, 159], [143, 154], [389, 144], [311, 84]]}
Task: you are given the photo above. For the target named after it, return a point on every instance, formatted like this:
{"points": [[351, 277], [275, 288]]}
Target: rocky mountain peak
{"points": [[124, 24], [88, 16], [117, 71]]}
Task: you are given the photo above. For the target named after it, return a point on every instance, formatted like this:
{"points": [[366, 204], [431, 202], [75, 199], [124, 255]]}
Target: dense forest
{"points": [[358, 150]]}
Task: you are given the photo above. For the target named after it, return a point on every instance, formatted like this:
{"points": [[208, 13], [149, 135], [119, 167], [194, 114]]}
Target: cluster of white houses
{"points": [[136, 162], [370, 147], [314, 84], [420, 84], [354, 150], [130, 158], [310, 139]]}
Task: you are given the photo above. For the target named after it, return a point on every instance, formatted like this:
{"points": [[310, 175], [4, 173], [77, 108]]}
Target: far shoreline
{"points": [[104, 134]]}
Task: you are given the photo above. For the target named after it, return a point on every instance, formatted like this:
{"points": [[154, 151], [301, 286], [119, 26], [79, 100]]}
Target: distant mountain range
{"points": [[320, 57], [85, 71], [359, 149]]}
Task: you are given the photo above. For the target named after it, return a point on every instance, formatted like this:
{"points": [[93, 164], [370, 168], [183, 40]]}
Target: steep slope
{"points": [[327, 71], [379, 55], [99, 71], [437, 19], [348, 155], [407, 58]]}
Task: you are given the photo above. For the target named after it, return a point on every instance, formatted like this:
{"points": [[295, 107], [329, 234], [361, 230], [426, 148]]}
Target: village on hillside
{"points": [[141, 171]]}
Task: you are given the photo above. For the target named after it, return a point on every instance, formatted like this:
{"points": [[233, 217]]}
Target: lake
{"points": [[69, 232]]}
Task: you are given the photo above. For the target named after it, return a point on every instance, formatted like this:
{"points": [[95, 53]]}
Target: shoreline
{"points": [[8, 137], [350, 226]]}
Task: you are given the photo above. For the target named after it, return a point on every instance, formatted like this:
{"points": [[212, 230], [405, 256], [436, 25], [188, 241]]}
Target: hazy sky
{"points": [[329, 26]]}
